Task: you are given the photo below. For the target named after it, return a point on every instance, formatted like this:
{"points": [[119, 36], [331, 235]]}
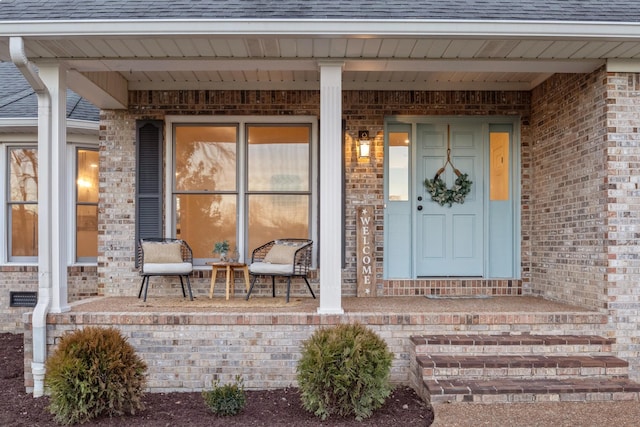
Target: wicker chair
{"points": [[164, 257], [284, 257]]}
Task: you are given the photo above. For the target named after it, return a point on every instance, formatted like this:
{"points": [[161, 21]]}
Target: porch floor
{"points": [[387, 305]]}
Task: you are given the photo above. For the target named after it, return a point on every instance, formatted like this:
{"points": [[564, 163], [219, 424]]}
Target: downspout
{"points": [[39, 316]]}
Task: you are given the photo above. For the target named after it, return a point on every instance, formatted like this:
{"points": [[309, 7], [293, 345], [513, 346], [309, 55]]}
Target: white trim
{"points": [[623, 66], [324, 27], [56, 201], [150, 64], [74, 127], [4, 226], [313, 85]]}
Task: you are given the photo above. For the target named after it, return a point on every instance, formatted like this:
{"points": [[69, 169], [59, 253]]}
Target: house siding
{"points": [[623, 213], [187, 351], [585, 201], [569, 194], [363, 180], [81, 282]]}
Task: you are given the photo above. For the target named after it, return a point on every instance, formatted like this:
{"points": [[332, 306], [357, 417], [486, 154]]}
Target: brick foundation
{"points": [[186, 351]]}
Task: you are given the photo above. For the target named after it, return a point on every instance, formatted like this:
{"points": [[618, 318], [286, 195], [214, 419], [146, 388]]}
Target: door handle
{"points": [[419, 207]]}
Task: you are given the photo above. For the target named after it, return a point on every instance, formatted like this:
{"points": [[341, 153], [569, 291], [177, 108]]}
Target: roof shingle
{"points": [[530, 10], [18, 100]]}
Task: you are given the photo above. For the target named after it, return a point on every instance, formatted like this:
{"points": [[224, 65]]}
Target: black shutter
{"points": [[149, 179]]}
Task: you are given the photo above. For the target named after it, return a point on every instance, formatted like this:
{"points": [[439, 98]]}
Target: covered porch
{"points": [[573, 111]]}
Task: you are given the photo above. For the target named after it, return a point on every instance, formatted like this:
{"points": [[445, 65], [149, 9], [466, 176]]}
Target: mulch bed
{"points": [[281, 407]]}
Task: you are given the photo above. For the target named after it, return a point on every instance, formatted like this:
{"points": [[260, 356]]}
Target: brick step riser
{"points": [[523, 373], [562, 349], [529, 390], [532, 397], [495, 369]]}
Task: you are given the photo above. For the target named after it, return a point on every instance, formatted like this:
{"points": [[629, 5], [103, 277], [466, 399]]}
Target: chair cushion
{"points": [[162, 253], [281, 254], [266, 268], [167, 268]]}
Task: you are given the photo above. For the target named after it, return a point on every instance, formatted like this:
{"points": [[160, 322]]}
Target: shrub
{"points": [[228, 399], [344, 370], [93, 372]]}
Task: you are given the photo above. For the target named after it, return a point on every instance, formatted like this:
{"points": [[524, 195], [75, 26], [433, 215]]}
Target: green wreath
{"points": [[448, 196]]}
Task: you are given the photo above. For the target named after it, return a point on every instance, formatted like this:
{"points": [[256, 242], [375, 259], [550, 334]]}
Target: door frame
{"points": [[397, 244]]}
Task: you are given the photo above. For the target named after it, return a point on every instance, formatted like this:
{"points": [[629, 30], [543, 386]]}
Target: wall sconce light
{"points": [[364, 144]]}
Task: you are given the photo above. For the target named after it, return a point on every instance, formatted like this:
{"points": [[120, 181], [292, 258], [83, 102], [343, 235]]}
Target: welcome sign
{"points": [[365, 252]]}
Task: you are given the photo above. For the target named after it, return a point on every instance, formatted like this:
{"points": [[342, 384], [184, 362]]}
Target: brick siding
{"points": [[623, 213], [186, 351], [363, 181], [568, 195], [585, 201], [81, 284]]}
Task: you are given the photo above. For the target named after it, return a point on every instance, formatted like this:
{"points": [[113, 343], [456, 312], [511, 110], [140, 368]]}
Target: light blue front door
{"points": [[449, 241]]}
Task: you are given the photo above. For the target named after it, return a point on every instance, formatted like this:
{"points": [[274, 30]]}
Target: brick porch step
{"points": [[506, 343], [531, 390], [520, 366]]}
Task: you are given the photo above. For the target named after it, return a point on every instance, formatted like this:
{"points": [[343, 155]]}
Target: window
{"points": [[398, 166], [499, 166], [22, 204], [86, 205], [278, 196], [247, 183], [205, 187]]}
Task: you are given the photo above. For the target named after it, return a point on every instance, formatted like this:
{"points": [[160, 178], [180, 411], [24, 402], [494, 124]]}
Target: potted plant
{"points": [[221, 248]]}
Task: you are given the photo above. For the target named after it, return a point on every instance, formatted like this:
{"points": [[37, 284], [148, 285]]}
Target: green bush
{"points": [[344, 370], [94, 372], [228, 399]]}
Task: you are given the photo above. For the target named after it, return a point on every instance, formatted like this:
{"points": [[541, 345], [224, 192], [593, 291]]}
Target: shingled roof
{"points": [[536, 10], [18, 100]]}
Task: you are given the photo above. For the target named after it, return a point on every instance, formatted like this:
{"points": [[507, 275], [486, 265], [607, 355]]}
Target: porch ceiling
{"points": [[271, 61]]}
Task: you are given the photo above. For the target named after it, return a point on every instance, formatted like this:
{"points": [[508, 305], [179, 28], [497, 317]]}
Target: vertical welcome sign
{"points": [[366, 260]]}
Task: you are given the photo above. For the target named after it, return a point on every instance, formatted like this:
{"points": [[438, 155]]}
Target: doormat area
{"points": [[458, 296], [201, 302], [218, 302]]}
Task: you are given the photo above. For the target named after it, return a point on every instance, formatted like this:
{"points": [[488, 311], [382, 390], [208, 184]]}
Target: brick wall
{"points": [[363, 180], [186, 351], [116, 205], [81, 284], [622, 197], [15, 278], [568, 191], [585, 198]]}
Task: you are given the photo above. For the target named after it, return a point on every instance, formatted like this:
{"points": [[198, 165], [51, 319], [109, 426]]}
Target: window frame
{"points": [[73, 188], [5, 217], [27, 141], [242, 123]]}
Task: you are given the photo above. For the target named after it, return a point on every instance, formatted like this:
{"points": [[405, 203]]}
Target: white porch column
{"points": [[330, 188], [52, 207]]}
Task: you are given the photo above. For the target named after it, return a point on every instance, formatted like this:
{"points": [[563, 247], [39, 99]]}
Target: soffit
{"points": [[370, 63], [265, 55]]}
